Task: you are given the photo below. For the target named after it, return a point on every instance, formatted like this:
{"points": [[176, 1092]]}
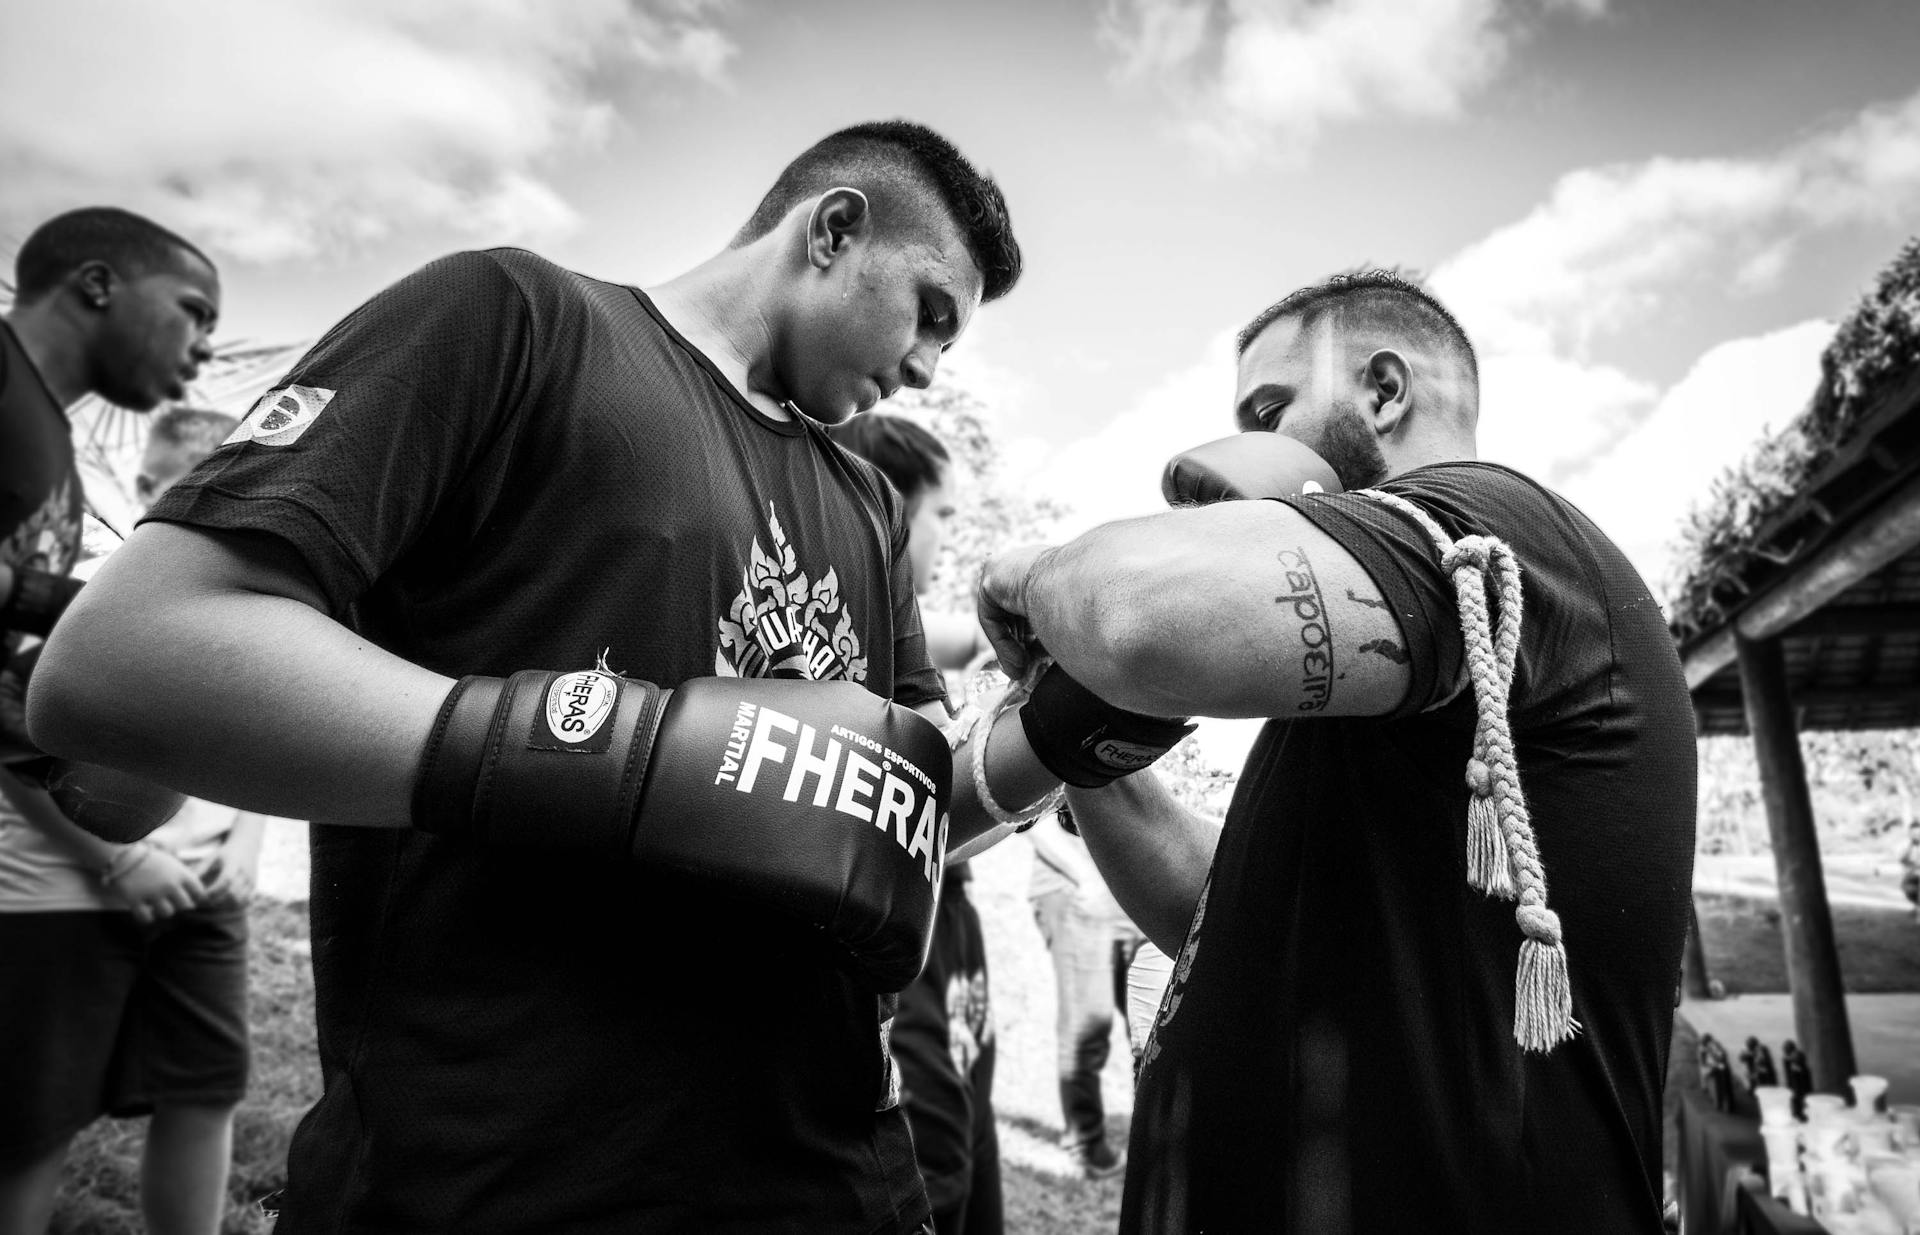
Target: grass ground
{"points": [[1879, 945], [1880, 950], [1043, 1193]]}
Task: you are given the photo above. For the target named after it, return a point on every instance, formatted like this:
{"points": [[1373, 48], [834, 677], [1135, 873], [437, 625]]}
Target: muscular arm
{"points": [[206, 661], [1153, 852], [1235, 609]]}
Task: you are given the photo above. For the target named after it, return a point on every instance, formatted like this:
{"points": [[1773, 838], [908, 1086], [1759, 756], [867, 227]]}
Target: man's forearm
{"points": [[256, 700], [40, 811], [1015, 777], [1153, 852]]}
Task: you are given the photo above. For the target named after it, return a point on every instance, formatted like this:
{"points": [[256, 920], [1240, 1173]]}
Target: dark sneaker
{"points": [[1098, 1161]]}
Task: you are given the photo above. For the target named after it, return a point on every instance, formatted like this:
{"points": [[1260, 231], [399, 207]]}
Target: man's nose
{"points": [[202, 350], [920, 365]]}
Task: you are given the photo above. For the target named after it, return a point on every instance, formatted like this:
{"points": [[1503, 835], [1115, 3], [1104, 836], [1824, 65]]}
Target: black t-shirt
{"points": [[1337, 1053], [41, 499], [496, 465]]}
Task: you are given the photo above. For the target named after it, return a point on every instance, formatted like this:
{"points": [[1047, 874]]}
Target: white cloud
{"points": [[1639, 489], [1614, 247], [1252, 75], [1610, 244], [1546, 415], [1114, 472], [283, 130]]}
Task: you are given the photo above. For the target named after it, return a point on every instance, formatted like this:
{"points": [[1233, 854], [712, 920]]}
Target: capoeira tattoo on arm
{"points": [[1303, 600]]}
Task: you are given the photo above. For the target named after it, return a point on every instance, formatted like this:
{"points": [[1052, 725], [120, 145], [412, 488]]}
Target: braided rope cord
{"points": [[971, 719], [1503, 857]]}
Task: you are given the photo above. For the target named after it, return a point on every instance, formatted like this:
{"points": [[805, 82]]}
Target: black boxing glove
{"points": [[36, 600], [1088, 742], [818, 798], [1247, 465]]}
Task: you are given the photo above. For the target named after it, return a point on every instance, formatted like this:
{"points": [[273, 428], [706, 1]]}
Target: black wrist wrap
{"points": [[533, 761], [37, 601], [1086, 741]]}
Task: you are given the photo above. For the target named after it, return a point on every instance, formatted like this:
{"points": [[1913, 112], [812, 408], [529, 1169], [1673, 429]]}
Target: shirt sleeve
{"points": [[1404, 564], [915, 678], [351, 456]]}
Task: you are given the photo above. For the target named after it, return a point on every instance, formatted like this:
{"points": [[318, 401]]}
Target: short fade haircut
{"points": [[1388, 297], [194, 430], [906, 452], [891, 159], [132, 244]]}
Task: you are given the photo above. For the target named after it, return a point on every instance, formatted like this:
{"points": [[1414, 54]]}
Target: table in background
{"points": [[1713, 1145]]}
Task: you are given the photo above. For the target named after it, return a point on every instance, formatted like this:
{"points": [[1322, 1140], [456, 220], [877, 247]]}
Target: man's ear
{"points": [[95, 281], [1390, 379], [841, 216]]}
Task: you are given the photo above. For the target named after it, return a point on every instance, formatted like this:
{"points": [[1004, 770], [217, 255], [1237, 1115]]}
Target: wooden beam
{"points": [[1890, 530], [1820, 697], [1806, 921], [1841, 621]]}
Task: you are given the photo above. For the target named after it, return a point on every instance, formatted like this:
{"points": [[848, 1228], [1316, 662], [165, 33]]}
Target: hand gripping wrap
{"points": [[1088, 742], [817, 798]]}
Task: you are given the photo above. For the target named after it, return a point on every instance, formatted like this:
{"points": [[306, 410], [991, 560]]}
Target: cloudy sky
{"points": [[1649, 213]]}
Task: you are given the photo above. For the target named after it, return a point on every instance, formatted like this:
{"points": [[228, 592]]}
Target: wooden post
{"points": [[1806, 923]]}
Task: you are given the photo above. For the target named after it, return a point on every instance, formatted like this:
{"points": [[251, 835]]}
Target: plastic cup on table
{"points": [[1825, 1141], [1873, 1138], [1869, 1093], [1824, 1105], [1783, 1143], [1897, 1183], [1776, 1105]]}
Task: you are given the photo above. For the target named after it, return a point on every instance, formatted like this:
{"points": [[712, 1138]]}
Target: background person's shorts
{"points": [[101, 1015]]}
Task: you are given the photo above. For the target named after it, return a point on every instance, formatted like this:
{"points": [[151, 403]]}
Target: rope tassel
{"points": [[1488, 867], [1542, 992], [1503, 858]]}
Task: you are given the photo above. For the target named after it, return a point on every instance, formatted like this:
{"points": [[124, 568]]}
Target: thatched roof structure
{"points": [[1815, 536]]}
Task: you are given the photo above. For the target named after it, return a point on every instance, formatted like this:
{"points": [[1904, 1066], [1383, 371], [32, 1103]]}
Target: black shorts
{"points": [[103, 1016]]}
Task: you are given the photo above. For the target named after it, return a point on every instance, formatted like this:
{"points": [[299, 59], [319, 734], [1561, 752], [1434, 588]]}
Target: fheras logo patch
{"points": [[1129, 755], [280, 416], [579, 703]]}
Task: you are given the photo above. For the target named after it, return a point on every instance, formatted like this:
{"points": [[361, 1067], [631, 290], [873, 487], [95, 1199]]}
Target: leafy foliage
{"points": [[1877, 343], [1865, 785], [994, 514]]}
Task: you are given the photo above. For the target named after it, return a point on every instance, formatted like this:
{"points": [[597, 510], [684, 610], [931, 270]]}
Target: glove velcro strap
{"points": [[541, 760], [1088, 742]]}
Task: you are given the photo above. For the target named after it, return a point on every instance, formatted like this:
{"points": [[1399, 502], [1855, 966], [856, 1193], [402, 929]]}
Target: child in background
{"points": [[123, 971], [942, 1037]]}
